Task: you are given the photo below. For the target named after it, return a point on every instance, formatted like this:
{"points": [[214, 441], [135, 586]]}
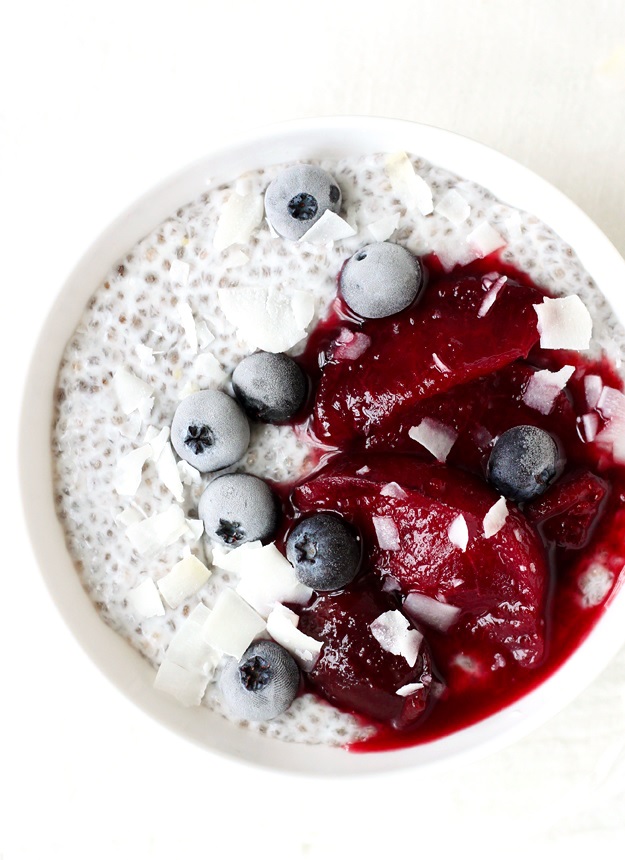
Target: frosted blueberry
{"points": [[524, 461], [262, 684], [298, 197], [209, 430], [325, 552], [380, 280], [238, 508], [270, 387]]}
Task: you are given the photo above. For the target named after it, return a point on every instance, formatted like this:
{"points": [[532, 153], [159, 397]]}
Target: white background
{"points": [[100, 100]]}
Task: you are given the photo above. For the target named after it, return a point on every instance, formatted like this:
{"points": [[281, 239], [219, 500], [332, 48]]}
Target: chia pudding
{"points": [[215, 283]]}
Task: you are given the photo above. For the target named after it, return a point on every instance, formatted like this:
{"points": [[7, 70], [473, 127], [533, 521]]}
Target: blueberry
{"points": [[270, 387], [262, 684], [380, 280], [325, 552], [524, 461], [209, 430], [298, 197], [238, 508]]}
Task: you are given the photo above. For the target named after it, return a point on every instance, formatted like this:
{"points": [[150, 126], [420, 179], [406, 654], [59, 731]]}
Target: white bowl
{"points": [[125, 668]]}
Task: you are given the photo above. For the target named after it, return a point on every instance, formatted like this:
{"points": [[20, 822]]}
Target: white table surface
{"points": [[98, 101]]}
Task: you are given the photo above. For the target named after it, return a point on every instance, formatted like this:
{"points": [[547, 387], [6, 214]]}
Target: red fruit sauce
{"points": [[522, 608]]}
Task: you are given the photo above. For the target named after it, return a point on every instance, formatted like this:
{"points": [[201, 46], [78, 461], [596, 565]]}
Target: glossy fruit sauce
{"points": [[521, 593]]}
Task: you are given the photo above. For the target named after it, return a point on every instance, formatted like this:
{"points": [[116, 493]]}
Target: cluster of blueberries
{"points": [[211, 431]]}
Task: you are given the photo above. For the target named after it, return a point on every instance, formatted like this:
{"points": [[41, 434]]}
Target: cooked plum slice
{"points": [[498, 583], [426, 350], [354, 671]]}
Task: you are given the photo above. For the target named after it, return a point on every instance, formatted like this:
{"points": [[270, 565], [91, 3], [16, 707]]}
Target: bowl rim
{"points": [[127, 671]]}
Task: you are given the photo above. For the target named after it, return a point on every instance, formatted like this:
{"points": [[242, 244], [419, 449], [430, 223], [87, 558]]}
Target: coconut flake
{"points": [[199, 615], [484, 239], [189, 662], [611, 405], [145, 600], [427, 610], [393, 491], [158, 531], [440, 365], [204, 334], [495, 518], [454, 207], [195, 529], [350, 345], [383, 228], [167, 471], [232, 625], [302, 307], [595, 584], [435, 437], [188, 323], [544, 387], [412, 190], [184, 580], [458, 532], [564, 323], [282, 625], [129, 516], [244, 185], [267, 578], [157, 439], [179, 272], [189, 475], [130, 390], [145, 408], [447, 254], [494, 287], [409, 689], [386, 533], [209, 371], [363, 470], [235, 560], [392, 630], [131, 427], [185, 686], [128, 470], [593, 386], [240, 216], [188, 649], [590, 426], [145, 354], [329, 228], [267, 319]]}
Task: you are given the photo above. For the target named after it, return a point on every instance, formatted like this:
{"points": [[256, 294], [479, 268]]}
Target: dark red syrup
{"points": [[523, 610]]}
